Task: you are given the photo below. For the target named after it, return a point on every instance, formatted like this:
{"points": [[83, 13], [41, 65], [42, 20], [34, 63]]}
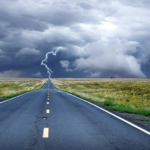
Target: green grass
{"points": [[126, 109], [142, 119]]}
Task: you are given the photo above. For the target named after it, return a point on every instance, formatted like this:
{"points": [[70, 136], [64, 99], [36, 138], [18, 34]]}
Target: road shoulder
{"points": [[129, 116]]}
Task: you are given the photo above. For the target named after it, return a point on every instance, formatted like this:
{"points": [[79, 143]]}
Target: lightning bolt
{"points": [[49, 71]]}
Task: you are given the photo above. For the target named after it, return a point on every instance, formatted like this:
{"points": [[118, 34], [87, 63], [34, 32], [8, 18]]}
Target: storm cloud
{"points": [[101, 38]]}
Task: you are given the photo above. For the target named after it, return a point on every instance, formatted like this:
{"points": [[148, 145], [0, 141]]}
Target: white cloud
{"points": [[38, 74], [10, 74], [69, 70], [64, 63], [111, 56]]}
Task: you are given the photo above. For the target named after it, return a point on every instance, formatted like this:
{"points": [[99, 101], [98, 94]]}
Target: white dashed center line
{"points": [[47, 111], [45, 132], [47, 102]]}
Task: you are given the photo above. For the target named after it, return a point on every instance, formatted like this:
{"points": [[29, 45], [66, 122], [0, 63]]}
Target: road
{"points": [[49, 119]]}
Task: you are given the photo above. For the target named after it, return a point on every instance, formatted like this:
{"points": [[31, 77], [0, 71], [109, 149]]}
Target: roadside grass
{"points": [[123, 95], [16, 94], [127, 109], [142, 119], [9, 89]]}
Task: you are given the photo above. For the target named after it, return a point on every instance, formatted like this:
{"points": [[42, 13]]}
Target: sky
{"points": [[99, 38]]}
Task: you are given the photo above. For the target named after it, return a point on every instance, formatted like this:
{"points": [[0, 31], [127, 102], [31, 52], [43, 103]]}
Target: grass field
{"points": [[8, 88], [123, 95]]}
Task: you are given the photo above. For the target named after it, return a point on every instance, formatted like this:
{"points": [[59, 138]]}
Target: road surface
{"points": [[49, 119]]}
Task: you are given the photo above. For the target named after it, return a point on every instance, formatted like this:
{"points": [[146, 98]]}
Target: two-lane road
{"points": [[49, 119]]}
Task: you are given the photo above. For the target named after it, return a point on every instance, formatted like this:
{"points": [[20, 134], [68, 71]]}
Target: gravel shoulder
{"points": [[132, 117]]}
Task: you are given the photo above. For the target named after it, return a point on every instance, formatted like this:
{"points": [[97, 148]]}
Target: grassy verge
{"points": [[8, 88], [142, 119], [128, 109], [16, 94], [115, 97], [110, 104]]}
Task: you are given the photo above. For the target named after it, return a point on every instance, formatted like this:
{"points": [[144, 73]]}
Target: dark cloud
{"points": [[85, 5], [38, 74], [10, 74], [138, 3], [101, 38], [22, 22], [28, 52], [4, 60]]}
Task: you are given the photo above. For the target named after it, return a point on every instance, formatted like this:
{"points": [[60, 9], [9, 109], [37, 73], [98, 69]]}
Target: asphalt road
{"points": [[65, 123]]}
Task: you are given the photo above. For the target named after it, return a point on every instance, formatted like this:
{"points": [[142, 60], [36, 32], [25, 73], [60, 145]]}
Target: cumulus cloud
{"points": [[64, 63], [11, 74], [111, 56]]}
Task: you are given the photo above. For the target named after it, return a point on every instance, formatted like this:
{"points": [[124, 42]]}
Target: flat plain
{"points": [[123, 95], [13, 87]]}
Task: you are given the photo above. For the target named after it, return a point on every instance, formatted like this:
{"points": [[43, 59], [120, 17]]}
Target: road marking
{"points": [[47, 102], [45, 132], [47, 111], [131, 124]]}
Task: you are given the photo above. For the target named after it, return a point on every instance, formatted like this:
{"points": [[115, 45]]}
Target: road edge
{"points": [[110, 113]]}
